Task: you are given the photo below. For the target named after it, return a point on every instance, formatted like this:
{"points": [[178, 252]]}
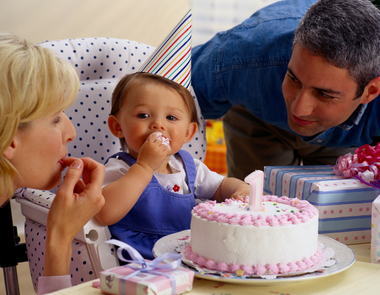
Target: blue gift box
{"points": [[344, 205]]}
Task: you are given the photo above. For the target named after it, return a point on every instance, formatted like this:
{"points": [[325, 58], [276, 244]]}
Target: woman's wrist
{"points": [[57, 254]]}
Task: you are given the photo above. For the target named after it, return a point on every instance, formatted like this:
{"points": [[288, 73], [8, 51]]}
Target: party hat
{"points": [[172, 59]]}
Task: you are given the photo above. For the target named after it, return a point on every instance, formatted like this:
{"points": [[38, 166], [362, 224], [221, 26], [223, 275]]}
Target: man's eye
{"points": [[142, 116], [324, 95], [292, 78]]}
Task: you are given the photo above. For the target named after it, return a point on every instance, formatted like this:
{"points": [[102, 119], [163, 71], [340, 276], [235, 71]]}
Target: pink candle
{"points": [[256, 183]]}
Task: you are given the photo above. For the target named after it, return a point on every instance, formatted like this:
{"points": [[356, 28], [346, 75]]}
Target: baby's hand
{"points": [[240, 192], [154, 151], [238, 197]]}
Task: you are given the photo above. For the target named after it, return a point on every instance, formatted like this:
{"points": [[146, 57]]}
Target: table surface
{"points": [[361, 278]]}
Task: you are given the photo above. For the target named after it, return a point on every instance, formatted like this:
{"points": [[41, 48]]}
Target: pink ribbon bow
{"points": [[363, 165]]}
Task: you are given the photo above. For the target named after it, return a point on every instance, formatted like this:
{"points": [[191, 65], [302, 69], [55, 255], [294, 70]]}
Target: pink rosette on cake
{"points": [[222, 218], [201, 261], [212, 217], [260, 221], [223, 267], [273, 221], [235, 219], [247, 269], [363, 165], [293, 267], [283, 268], [270, 198], [284, 200], [260, 270], [272, 269], [246, 220], [211, 264], [284, 219], [234, 267], [294, 219]]}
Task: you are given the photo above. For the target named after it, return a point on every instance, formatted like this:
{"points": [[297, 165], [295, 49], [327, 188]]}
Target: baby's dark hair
{"points": [[122, 88]]}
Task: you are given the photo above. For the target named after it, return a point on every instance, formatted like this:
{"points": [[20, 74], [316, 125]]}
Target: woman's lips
{"points": [[62, 162], [300, 121]]}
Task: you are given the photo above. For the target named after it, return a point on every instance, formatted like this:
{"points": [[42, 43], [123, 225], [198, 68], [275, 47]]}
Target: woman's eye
{"points": [[142, 116], [57, 120]]}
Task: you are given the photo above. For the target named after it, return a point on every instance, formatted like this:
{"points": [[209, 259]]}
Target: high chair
{"points": [[100, 63]]}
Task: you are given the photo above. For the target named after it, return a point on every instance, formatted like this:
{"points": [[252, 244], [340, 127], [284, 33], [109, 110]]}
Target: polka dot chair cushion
{"points": [[101, 63], [81, 267]]}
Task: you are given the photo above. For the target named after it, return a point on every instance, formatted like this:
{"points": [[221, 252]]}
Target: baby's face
{"points": [[151, 107]]}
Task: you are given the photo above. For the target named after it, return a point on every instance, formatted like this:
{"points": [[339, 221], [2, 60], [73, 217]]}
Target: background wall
{"points": [[146, 21]]}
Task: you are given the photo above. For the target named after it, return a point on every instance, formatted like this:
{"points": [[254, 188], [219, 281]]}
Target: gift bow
{"points": [[146, 266], [363, 165]]}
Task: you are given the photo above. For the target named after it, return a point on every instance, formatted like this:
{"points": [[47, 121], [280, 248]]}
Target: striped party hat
{"points": [[172, 59]]}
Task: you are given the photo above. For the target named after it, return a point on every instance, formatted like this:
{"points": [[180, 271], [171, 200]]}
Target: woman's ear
{"points": [[191, 130], [114, 126], [10, 150], [371, 91]]}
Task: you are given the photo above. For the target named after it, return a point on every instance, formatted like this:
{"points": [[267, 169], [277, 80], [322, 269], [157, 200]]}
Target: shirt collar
{"points": [[354, 119]]}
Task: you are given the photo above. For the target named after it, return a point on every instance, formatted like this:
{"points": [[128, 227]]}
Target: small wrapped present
{"points": [[375, 231], [142, 276], [344, 205]]}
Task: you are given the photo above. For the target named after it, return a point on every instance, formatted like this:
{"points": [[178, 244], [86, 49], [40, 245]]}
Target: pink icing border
{"points": [[308, 211], [268, 269]]}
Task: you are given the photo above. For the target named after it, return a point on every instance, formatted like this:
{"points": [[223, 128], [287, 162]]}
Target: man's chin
{"points": [[303, 130]]}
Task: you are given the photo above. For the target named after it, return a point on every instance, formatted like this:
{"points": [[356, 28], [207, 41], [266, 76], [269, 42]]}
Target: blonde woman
{"points": [[35, 88]]}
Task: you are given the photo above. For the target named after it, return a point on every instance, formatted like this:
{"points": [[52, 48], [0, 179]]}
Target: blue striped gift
{"points": [[344, 205]]}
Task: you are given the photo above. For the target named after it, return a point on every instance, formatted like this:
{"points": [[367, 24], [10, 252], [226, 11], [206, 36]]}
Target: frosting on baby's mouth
{"points": [[164, 140]]}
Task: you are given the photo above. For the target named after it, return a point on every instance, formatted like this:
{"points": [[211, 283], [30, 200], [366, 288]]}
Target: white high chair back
{"points": [[100, 63]]}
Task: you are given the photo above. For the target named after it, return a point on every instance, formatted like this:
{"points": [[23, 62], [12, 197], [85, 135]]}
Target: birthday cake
{"points": [[279, 239]]}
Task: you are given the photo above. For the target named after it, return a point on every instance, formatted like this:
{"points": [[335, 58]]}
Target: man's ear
{"points": [[191, 130], [10, 150], [371, 91], [114, 126]]}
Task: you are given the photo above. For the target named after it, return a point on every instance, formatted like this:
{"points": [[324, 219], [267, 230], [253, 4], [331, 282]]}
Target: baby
{"points": [[150, 188]]}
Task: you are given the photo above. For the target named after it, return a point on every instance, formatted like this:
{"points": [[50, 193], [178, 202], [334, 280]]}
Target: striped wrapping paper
{"points": [[172, 59], [344, 205]]}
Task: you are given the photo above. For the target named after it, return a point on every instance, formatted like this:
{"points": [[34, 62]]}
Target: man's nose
{"points": [[303, 104]]}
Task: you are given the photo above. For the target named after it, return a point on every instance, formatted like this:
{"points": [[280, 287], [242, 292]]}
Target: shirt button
{"points": [[319, 140]]}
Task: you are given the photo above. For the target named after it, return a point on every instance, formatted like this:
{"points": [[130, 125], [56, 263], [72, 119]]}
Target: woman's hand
{"points": [[76, 202]]}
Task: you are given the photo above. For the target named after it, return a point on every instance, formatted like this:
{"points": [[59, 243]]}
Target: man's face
{"points": [[318, 95]]}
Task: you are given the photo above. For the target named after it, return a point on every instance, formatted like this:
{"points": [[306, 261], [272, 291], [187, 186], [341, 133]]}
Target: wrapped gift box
{"points": [[151, 282], [375, 233], [344, 205]]}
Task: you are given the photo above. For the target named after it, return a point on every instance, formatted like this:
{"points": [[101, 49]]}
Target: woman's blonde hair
{"points": [[33, 84]]}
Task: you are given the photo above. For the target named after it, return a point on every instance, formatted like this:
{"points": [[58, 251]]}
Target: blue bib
{"points": [[158, 212]]}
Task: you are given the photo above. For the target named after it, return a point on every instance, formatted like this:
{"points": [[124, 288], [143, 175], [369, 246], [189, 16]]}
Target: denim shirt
{"points": [[247, 64]]}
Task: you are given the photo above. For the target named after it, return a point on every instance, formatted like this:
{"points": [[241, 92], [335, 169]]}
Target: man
{"points": [[295, 91]]}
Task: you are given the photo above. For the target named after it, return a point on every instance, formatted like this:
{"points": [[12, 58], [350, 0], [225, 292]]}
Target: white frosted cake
{"points": [[282, 238]]}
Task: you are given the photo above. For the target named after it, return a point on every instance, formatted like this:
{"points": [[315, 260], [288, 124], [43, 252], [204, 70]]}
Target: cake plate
{"points": [[343, 256]]}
